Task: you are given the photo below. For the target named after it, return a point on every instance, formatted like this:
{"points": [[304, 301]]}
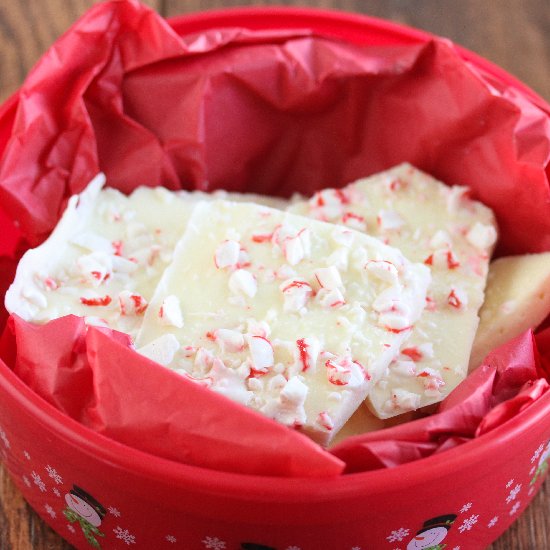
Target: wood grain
{"points": [[514, 34]]}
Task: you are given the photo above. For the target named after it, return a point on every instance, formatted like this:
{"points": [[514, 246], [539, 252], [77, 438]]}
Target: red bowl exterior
{"points": [[143, 501]]}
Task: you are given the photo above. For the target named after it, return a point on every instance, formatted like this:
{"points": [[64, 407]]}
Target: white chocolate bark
{"points": [[292, 317], [106, 255], [517, 298], [452, 234], [103, 259]]}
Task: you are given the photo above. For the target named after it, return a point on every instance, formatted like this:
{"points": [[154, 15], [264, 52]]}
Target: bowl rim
{"points": [[279, 488]]}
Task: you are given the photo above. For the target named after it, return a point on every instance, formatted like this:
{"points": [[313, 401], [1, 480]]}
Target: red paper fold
{"points": [[270, 112], [94, 376]]}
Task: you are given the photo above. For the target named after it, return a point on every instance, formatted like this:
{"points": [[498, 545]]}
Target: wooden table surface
{"points": [[515, 34]]}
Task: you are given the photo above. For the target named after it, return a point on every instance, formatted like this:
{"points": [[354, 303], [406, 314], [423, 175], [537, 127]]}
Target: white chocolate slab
{"points": [[106, 255], [441, 227], [517, 298], [104, 258], [292, 317]]}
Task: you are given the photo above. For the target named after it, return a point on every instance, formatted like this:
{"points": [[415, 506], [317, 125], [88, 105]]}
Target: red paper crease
{"points": [[94, 376]]}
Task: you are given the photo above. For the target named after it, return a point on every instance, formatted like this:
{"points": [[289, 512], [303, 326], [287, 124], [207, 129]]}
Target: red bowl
{"points": [[465, 497]]}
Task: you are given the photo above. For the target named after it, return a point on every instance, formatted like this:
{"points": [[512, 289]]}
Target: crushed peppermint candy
{"points": [[243, 283], [170, 312], [261, 352], [227, 254], [329, 278], [449, 232], [279, 341], [296, 293]]}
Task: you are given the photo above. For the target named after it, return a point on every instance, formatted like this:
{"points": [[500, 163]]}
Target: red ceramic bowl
{"points": [[463, 498]]}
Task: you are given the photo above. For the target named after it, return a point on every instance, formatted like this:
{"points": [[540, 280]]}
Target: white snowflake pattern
{"points": [[513, 493], [171, 538], [124, 535], [4, 438], [26, 455], [356, 548], [50, 511], [293, 548], [509, 484], [468, 523], [56, 492], [492, 522], [466, 507], [398, 535], [38, 481], [515, 508], [26, 481], [532, 470], [456, 548], [537, 453], [214, 543], [531, 491], [114, 511], [71, 528], [52, 472]]}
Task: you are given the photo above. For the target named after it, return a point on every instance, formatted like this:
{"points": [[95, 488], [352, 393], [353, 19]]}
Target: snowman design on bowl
{"points": [[432, 533], [87, 511]]}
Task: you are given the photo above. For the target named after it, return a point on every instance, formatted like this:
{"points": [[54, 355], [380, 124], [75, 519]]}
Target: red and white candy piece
{"points": [[261, 354], [433, 382], [96, 301], [243, 283], [227, 254], [308, 352], [325, 421], [355, 221], [332, 298], [229, 340], [296, 248], [170, 312], [383, 270], [329, 203], [131, 303], [457, 298], [342, 371], [296, 293], [95, 268], [444, 258], [329, 278]]}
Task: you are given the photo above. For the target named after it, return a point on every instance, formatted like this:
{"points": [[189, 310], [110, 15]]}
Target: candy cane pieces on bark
{"points": [[451, 234], [294, 333]]}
